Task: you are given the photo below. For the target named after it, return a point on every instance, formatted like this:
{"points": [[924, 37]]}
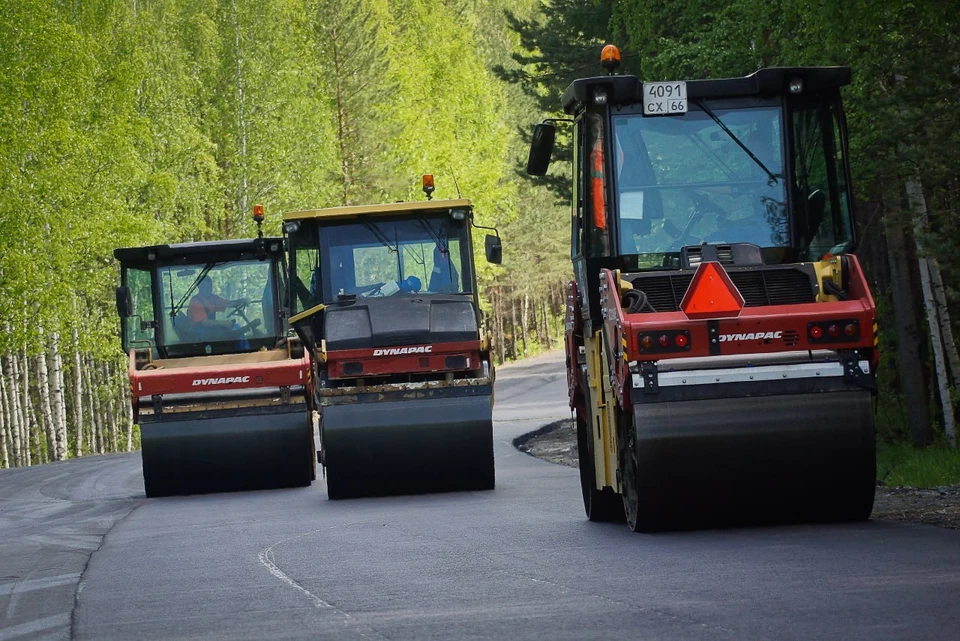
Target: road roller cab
{"points": [[720, 333], [219, 390], [385, 299]]}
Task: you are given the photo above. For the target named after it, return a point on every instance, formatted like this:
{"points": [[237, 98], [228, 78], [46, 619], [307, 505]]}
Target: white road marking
{"points": [[88, 542], [18, 587], [32, 627], [266, 558]]}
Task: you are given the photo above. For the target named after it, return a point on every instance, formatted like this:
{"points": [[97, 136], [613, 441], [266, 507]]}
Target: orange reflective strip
{"points": [[596, 187]]}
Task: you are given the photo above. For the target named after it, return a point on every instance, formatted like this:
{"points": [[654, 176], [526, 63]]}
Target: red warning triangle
{"points": [[711, 294]]}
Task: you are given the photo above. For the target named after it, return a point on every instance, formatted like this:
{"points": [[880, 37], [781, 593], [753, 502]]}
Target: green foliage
{"points": [[126, 124], [905, 465]]}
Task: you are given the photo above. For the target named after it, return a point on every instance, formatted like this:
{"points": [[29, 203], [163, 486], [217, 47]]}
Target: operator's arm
{"points": [[220, 304]]}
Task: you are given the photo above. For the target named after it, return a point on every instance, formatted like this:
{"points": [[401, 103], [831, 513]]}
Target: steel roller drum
{"points": [[783, 458], [408, 446], [227, 453]]}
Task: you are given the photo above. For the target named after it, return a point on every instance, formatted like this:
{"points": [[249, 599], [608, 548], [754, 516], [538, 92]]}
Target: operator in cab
{"points": [[202, 314]]}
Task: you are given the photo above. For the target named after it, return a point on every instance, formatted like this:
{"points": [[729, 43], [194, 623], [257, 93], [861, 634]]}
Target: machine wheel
{"points": [[600, 505], [629, 472], [642, 511]]}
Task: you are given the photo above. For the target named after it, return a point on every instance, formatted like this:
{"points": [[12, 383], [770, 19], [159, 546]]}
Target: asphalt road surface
{"points": [[84, 556]]}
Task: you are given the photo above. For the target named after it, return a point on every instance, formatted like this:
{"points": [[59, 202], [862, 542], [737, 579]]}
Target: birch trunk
{"points": [[25, 406], [31, 426], [114, 426], [35, 431], [98, 415], [90, 409], [110, 408], [12, 400], [128, 405], [501, 341], [524, 309], [78, 393], [46, 410], [91, 404], [546, 324], [59, 402], [918, 206], [513, 329], [36, 439], [943, 312], [4, 424]]}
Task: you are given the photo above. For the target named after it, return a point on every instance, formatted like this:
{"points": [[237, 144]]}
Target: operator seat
{"points": [[444, 279], [181, 325]]}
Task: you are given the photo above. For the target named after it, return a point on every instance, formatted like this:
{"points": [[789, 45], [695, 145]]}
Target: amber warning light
{"points": [[711, 294], [258, 213], [428, 185], [610, 58]]}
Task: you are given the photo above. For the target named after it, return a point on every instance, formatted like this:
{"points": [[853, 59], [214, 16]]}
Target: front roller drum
{"points": [[754, 460], [227, 453], [413, 446]]}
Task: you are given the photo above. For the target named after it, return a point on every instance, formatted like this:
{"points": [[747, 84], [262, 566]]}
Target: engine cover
{"points": [[400, 320]]}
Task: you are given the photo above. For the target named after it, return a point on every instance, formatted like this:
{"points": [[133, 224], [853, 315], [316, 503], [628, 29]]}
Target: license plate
{"points": [[664, 98]]}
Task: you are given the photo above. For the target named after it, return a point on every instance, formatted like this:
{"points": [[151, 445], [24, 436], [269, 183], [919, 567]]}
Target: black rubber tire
{"points": [[636, 504], [601, 506]]}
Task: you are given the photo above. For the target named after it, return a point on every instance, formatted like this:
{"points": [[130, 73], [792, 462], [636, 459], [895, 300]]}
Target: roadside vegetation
{"points": [[128, 123], [903, 464], [903, 112], [160, 121]]}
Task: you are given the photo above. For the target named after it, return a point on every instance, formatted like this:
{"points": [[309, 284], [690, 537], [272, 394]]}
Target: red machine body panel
{"points": [[407, 359], [212, 378], [756, 330]]}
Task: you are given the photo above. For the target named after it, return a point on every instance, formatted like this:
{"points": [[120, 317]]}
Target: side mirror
{"points": [[124, 302], [541, 147], [494, 249]]}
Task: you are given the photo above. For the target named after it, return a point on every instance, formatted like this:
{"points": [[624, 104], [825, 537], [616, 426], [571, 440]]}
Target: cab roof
{"points": [[205, 251], [384, 209], [770, 81]]}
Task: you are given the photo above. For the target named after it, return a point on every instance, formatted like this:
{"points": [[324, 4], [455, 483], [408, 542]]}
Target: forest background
{"points": [[133, 122]]}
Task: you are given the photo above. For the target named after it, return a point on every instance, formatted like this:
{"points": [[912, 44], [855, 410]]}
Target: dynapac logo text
{"points": [[755, 336], [397, 351], [220, 381]]}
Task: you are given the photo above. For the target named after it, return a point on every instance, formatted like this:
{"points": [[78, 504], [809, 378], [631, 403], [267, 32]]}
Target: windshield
{"points": [[218, 308], [690, 180], [389, 257]]}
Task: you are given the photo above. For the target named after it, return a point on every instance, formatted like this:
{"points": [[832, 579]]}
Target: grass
{"points": [[927, 467]]}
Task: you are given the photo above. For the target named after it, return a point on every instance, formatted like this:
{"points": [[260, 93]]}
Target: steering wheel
{"points": [[370, 290], [239, 307], [249, 327], [701, 205]]}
